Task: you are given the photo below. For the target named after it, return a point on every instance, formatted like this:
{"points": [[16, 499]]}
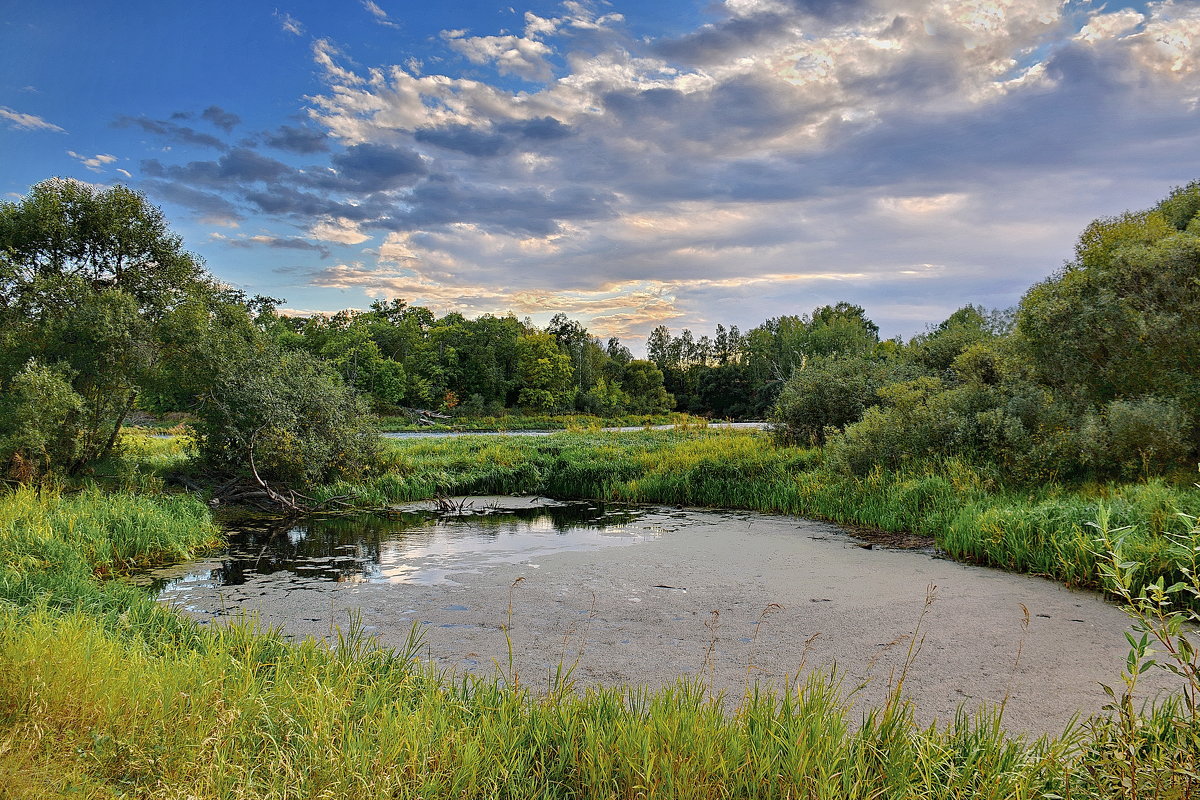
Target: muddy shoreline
{"points": [[735, 598]]}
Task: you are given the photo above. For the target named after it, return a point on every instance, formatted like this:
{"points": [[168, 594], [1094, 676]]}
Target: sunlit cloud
{"points": [[95, 163], [783, 154], [27, 122]]}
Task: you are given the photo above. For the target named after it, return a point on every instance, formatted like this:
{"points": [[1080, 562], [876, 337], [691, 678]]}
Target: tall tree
{"points": [[88, 280]]}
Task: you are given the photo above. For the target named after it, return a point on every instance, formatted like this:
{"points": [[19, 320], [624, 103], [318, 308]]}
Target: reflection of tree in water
{"points": [[348, 548]]}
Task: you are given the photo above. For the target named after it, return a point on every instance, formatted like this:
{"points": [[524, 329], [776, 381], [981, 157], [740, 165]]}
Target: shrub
{"points": [[1136, 438], [288, 416]]}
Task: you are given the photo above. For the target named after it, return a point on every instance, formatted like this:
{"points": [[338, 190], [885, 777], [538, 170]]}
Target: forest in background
{"points": [[103, 312]]}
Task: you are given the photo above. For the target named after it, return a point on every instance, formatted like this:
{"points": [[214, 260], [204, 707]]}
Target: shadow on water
{"points": [[419, 546]]}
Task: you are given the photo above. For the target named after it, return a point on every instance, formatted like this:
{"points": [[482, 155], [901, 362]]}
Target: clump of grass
{"points": [[54, 548]]}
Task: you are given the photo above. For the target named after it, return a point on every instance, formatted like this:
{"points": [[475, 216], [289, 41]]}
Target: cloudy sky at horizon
{"points": [[629, 164]]}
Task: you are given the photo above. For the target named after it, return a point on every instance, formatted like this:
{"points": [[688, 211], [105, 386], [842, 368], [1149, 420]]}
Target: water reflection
{"points": [[417, 547]]}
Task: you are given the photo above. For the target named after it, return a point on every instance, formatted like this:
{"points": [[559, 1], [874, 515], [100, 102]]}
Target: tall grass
{"points": [[248, 714], [969, 512], [103, 693]]}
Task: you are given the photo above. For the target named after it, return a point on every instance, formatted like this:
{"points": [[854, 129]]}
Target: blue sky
{"points": [[630, 164]]}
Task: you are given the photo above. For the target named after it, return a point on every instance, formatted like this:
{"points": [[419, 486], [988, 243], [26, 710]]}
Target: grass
{"points": [[967, 511], [105, 694], [541, 422]]}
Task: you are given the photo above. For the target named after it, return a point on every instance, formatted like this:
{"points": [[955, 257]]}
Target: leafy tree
{"points": [[287, 417], [937, 348], [725, 390], [644, 385], [544, 372], [1120, 320], [88, 278], [658, 347], [43, 411], [1136, 438], [828, 393]]}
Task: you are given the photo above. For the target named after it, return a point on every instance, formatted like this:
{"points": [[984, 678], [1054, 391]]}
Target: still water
{"points": [[515, 586], [417, 546]]}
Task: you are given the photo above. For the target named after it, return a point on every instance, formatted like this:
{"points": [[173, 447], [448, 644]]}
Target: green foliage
{"points": [[1137, 438], [643, 385], [39, 422], [1181, 206], [827, 394], [970, 326], [917, 419], [87, 276], [287, 416], [1118, 322], [544, 373]]}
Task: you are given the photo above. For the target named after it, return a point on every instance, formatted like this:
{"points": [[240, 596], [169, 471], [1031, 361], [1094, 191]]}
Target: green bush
{"points": [[289, 417], [1136, 438], [825, 393]]}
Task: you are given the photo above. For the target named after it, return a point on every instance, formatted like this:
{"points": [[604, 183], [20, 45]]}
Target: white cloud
{"points": [[95, 163], [1110, 26], [27, 122], [340, 230], [512, 55], [772, 158], [379, 14], [289, 24]]}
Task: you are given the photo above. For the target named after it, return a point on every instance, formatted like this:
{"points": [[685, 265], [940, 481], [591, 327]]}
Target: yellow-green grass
{"points": [[103, 693], [969, 512]]}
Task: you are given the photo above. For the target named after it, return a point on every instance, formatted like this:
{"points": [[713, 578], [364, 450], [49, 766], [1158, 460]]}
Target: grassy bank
{"points": [[104, 694], [539, 422], [1043, 530]]}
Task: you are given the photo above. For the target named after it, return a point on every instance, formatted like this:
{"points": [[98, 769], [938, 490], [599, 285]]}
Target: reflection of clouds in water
{"points": [[430, 558]]}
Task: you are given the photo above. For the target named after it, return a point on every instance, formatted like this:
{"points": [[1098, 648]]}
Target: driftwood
{"points": [[421, 416], [255, 492]]}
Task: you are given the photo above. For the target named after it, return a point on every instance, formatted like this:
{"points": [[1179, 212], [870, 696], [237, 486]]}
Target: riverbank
{"points": [[645, 595], [105, 693], [971, 514]]}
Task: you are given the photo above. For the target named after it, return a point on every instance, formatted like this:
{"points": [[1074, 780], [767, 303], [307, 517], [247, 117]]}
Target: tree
{"points": [[644, 385], [1119, 321], [937, 348], [87, 278], [544, 372], [828, 393], [285, 417]]}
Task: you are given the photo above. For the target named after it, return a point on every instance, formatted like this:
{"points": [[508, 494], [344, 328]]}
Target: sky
{"points": [[627, 163]]}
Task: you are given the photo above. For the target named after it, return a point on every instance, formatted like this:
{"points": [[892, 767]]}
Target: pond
{"points": [[647, 595]]}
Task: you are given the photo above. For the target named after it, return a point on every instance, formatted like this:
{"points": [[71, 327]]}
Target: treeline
{"points": [[1095, 374], [103, 312], [404, 356]]}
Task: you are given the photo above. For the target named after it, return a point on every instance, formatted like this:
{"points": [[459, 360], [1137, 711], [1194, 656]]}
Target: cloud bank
{"points": [[910, 156]]}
